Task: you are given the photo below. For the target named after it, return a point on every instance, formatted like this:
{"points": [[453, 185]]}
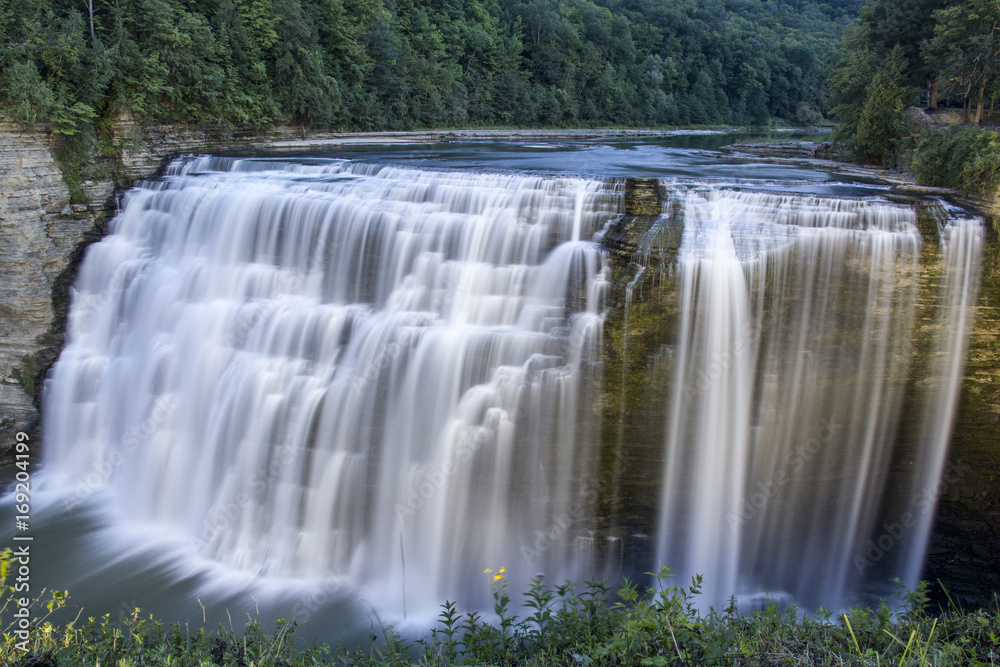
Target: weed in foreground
{"points": [[585, 625]]}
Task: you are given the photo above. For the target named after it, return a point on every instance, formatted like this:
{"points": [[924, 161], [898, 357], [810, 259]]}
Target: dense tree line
{"points": [[903, 52], [399, 64]]}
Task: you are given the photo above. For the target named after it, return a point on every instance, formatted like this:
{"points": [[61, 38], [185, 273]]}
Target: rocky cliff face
{"points": [[41, 237]]}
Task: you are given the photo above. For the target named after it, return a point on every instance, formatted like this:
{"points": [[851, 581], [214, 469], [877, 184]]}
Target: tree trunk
{"points": [[982, 99], [934, 93], [90, 12]]}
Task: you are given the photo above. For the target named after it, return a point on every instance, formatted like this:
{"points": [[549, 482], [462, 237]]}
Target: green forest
{"points": [[929, 53], [369, 65], [407, 64]]}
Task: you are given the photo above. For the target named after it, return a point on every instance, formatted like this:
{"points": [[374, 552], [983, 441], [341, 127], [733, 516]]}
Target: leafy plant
{"points": [[567, 624]]}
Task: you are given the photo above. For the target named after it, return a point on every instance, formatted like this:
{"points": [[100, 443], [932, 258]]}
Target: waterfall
{"points": [[324, 367], [962, 240], [305, 369], [795, 350]]}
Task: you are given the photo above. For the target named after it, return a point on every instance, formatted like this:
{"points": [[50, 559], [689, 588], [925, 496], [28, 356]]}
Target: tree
{"points": [[965, 50], [908, 24], [883, 124], [249, 97], [308, 94], [89, 4], [850, 78], [29, 98]]}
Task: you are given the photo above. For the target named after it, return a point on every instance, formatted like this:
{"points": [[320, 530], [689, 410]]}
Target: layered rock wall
{"points": [[41, 236]]}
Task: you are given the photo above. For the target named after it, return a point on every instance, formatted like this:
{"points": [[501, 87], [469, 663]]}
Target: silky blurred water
{"points": [[340, 387]]}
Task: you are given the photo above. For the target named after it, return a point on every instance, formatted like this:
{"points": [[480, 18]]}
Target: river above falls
{"points": [[686, 155]]}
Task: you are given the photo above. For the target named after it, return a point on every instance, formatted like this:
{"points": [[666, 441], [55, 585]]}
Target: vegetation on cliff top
{"points": [[930, 53], [401, 64]]}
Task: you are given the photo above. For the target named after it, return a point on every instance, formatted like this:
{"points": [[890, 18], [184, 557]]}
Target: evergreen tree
{"points": [[883, 123], [28, 96], [307, 93]]}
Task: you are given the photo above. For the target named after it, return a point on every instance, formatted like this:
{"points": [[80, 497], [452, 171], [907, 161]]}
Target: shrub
{"points": [[959, 157], [566, 624]]}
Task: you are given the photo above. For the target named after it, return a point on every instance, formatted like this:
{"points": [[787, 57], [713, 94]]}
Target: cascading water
{"points": [[376, 373], [795, 350], [306, 369]]}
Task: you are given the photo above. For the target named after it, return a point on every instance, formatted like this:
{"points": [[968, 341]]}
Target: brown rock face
{"points": [[41, 238]]}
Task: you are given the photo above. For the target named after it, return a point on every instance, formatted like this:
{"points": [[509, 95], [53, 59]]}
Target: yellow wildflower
{"points": [[487, 570], [497, 577]]}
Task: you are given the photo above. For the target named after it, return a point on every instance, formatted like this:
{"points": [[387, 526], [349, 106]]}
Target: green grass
{"points": [[567, 624]]}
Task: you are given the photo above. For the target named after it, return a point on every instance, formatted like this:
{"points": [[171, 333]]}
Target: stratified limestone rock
{"points": [[784, 149], [41, 236], [642, 196]]}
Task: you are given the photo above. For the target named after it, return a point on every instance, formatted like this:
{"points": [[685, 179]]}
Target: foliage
{"points": [[964, 158], [928, 50], [29, 98], [401, 64], [850, 77], [964, 52], [883, 123], [560, 624]]}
